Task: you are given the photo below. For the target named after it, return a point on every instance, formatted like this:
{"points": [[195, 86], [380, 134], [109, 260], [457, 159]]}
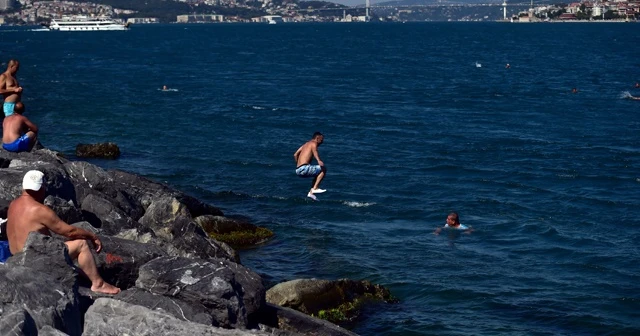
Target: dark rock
{"points": [[294, 321], [161, 215], [42, 279], [15, 320], [109, 317], [50, 331], [101, 213], [120, 260], [312, 296], [171, 305], [56, 180], [46, 255], [66, 210], [193, 245], [146, 191], [106, 150], [230, 291], [233, 231]]}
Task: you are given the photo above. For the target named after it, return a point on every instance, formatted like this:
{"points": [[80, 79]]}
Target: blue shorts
{"points": [[8, 108], [5, 253], [308, 170], [21, 144]]}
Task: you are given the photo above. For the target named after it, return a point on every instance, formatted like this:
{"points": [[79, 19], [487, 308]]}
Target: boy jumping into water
{"points": [[304, 168]]}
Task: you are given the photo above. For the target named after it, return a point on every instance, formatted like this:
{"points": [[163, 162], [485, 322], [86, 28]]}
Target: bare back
{"points": [[306, 153], [25, 215], [9, 82], [13, 127]]}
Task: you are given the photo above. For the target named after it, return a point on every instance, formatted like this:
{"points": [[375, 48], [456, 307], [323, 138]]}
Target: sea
{"points": [[419, 119]]}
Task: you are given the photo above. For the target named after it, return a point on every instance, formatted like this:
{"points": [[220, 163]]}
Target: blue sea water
{"points": [[413, 130]]}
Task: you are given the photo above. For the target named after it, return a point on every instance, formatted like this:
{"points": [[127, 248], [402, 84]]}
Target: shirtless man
{"points": [[9, 87], [304, 168], [18, 132], [27, 214]]}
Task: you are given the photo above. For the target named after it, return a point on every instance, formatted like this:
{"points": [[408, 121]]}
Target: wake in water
{"points": [[625, 95], [169, 90], [357, 204]]}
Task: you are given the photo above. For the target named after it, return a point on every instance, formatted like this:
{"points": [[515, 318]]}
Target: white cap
{"points": [[33, 180]]}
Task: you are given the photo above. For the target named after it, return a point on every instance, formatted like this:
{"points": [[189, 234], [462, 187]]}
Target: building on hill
{"points": [[142, 20], [199, 18], [6, 4]]}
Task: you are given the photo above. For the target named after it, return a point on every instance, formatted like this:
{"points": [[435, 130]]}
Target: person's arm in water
{"points": [[49, 219]]}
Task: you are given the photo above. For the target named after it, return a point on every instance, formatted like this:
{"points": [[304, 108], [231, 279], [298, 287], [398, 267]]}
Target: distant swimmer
{"points": [[164, 88], [574, 90], [507, 66], [478, 65], [304, 168], [9, 87], [637, 85], [453, 223]]}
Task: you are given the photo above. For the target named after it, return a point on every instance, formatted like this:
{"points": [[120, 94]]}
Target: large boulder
{"points": [[334, 300], [170, 305], [103, 214], [230, 291], [16, 320], [109, 317], [42, 279], [162, 213], [232, 231], [105, 150], [296, 322], [65, 209], [120, 260], [147, 191]]}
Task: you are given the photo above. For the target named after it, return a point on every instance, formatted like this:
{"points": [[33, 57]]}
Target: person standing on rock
{"points": [[19, 134], [9, 87], [27, 214], [304, 168]]}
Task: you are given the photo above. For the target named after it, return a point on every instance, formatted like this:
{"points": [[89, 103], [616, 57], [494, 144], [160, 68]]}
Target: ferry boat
{"points": [[83, 23]]}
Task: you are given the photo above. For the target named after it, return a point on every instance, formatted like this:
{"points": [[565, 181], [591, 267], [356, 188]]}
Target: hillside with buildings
{"points": [[274, 11]]}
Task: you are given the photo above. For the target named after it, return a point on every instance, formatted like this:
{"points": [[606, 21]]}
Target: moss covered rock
{"points": [[336, 301], [107, 150], [234, 232]]}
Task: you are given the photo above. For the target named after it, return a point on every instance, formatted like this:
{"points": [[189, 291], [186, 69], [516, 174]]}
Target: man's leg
{"points": [[318, 179], [32, 140], [80, 249]]}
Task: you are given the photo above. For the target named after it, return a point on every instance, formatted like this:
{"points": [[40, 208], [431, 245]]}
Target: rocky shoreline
{"points": [[158, 247]]}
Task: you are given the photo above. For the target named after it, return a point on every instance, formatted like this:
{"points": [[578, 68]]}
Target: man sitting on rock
{"points": [[18, 132], [27, 214]]}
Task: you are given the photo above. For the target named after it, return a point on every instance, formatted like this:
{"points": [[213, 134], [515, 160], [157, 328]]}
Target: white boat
{"points": [[83, 23]]}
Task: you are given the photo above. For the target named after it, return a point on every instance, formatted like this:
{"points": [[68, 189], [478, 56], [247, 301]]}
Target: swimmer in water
{"points": [[453, 223], [637, 85], [507, 66], [574, 90], [164, 88]]}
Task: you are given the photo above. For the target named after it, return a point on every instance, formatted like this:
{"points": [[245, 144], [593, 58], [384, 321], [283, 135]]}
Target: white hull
{"points": [[86, 25]]}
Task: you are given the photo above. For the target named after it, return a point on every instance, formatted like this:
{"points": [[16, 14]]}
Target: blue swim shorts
{"points": [[308, 170], [8, 108], [20, 145], [5, 253]]}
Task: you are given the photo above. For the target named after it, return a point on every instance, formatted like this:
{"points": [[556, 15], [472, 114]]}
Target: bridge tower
{"points": [[504, 10], [368, 4]]}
